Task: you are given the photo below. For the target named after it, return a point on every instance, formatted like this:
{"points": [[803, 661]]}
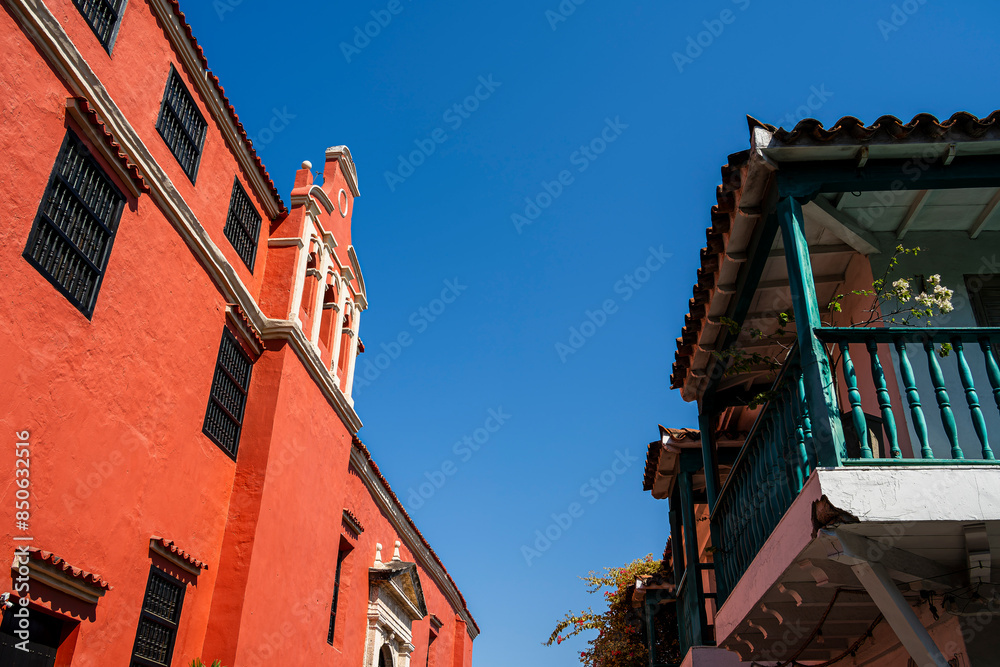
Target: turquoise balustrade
{"points": [[780, 451], [905, 340], [767, 476]]}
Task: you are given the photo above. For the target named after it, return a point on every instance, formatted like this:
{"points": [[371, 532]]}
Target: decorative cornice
{"points": [[343, 155], [320, 195], [242, 324], [182, 559], [47, 568], [94, 130], [286, 242], [309, 355], [352, 522]]}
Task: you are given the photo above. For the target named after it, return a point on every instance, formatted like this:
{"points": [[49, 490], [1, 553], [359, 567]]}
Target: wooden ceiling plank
{"points": [[984, 217], [911, 215], [841, 225]]}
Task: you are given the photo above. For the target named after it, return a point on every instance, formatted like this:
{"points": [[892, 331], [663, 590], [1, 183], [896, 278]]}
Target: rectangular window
{"points": [[181, 124], [161, 613], [243, 225], [432, 636], [104, 17], [70, 241], [336, 593], [984, 293], [224, 418]]}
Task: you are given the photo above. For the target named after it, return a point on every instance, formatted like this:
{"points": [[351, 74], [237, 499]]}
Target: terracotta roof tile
{"points": [[180, 553], [656, 447], [91, 115], [368, 457], [961, 126], [349, 515], [90, 578], [809, 132]]}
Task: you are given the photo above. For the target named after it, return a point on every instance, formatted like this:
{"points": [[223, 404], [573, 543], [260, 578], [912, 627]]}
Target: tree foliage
{"points": [[619, 640]]}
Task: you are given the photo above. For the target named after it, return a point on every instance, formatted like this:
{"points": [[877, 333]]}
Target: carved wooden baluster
{"points": [[972, 398], [992, 369], [884, 401], [807, 435], [944, 402], [799, 447], [854, 396], [781, 459], [913, 398]]}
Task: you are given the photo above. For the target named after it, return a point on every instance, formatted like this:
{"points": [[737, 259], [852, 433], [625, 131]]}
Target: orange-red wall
{"points": [[115, 404]]}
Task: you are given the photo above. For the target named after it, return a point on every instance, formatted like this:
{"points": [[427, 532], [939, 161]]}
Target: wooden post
{"points": [[708, 454], [827, 432], [699, 620]]}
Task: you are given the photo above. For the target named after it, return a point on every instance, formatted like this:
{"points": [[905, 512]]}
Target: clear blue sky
{"points": [[495, 346]]}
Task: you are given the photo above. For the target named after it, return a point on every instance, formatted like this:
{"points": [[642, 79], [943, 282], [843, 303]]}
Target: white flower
{"points": [[934, 280], [902, 289]]}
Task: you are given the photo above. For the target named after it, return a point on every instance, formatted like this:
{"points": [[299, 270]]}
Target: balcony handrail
{"points": [[790, 360], [891, 334]]}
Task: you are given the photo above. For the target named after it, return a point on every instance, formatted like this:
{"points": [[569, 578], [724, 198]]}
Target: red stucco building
{"points": [[182, 473]]}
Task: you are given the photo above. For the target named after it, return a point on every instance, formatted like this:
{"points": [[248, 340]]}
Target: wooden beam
{"points": [[762, 315], [984, 216], [911, 214], [817, 280], [906, 566], [841, 225], [897, 611], [817, 250]]}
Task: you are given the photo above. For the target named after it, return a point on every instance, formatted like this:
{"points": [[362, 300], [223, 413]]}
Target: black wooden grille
{"points": [[243, 225], [336, 593], [103, 16], [161, 612], [224, 417], [984, 293], [71, 239], [181, 124]]}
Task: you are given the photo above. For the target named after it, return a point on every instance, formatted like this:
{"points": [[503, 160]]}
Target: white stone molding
{"points": [[342, 154], [352, 355], [411, 539], [338, 327]]}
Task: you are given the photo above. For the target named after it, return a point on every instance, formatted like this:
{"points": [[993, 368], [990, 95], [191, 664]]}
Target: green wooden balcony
{"points": [[781, 450]]}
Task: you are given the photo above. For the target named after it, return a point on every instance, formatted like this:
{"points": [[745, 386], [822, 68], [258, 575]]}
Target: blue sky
{"points": [[614, 122]]}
